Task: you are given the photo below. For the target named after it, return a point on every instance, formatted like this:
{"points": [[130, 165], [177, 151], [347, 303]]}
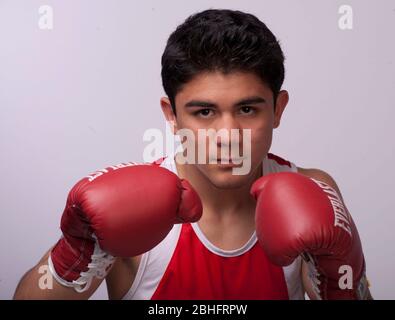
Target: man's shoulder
{"points": [[320, 175]]}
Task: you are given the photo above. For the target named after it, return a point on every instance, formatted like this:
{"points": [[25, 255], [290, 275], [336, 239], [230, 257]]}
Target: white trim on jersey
{"points": [[218, 251]]}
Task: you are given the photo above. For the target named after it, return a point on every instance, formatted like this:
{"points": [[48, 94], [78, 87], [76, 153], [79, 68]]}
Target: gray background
{"points": [[80, 96]]}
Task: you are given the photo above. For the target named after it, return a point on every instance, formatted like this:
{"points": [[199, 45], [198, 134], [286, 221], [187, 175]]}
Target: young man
{"points": [[175, 230]]}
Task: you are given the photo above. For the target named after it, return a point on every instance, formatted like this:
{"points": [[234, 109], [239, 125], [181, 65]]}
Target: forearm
{"points": [[38, 283]]}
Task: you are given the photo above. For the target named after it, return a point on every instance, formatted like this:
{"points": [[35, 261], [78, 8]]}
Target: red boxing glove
{"points": [[296, 215], [122, 211]]}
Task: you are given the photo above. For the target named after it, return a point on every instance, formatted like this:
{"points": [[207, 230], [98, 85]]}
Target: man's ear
{"points": [[169, 114], [281, 103]]}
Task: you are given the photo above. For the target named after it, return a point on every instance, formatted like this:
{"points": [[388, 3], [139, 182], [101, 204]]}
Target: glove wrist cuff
{"points": [[79, 276]]}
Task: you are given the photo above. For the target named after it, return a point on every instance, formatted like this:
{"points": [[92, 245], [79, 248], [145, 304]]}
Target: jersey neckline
{"points": [[221, 252]]}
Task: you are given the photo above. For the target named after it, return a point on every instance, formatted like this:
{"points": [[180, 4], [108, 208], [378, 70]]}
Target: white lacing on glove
{"points": [[98, 267], [313, 274]]}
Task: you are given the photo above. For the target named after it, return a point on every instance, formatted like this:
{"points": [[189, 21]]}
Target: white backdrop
{"points": [[79, 97]]}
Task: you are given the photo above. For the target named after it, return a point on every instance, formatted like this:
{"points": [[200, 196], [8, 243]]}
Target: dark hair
{"points": [[221, 40]]}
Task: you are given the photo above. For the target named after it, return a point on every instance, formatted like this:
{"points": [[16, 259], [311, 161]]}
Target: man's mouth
{"points": [[227, 161]]}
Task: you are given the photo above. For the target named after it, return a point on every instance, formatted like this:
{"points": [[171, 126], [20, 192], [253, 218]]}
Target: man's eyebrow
{"points": [[199, 103], [250, 101], [243, 102]]}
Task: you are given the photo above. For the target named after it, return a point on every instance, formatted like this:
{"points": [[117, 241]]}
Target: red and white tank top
{"points": [[186, 265]]}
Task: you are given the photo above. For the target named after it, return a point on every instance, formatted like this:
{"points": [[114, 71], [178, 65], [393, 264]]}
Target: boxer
{"points": [[193, 230]]}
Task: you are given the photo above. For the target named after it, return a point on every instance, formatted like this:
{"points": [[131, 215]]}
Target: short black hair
{"points": [[221, 40]]}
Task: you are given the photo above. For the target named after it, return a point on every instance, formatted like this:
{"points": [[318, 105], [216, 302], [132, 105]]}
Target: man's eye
{"points": [[247, 110], [203, 112]]}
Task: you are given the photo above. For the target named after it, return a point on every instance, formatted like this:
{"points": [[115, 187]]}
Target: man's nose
{"points": [[228, 131]]}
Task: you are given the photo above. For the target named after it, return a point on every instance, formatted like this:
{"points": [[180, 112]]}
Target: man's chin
{"points": [[224, 178]]}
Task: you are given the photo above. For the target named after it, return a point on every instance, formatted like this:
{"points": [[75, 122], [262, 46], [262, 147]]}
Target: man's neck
{"points": [[222, 200], [228, 218]]}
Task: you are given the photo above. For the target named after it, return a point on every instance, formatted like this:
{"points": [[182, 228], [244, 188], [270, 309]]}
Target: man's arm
{"points": [[303, 215], [38, 283], [324, 177], [119, 211]]}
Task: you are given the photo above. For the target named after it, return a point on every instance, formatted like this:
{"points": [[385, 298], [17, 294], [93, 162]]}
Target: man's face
{"points": [[238, 101]]}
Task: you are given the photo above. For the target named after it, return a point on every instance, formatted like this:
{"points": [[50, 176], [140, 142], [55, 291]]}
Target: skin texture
{"points": [[210, 100]]}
